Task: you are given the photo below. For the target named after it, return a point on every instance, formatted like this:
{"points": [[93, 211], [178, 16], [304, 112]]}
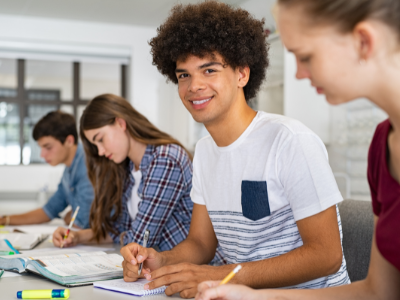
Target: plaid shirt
{"points": [[165, 207]]}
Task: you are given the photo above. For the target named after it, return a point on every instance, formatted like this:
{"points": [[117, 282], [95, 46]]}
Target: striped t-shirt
{"points": [[274, 174]]}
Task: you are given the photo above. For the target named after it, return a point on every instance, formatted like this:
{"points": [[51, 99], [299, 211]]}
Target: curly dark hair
{"points": [[212, 27]]}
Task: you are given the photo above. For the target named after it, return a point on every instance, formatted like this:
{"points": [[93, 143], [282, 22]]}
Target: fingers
{"points": [[58, 236], [206, 285], [213, 292], [189, 293], [167, 270], [145, 253], [129, 252], [186, 289], [168, 275]]}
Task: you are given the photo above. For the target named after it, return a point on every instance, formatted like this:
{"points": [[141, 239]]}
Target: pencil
{"points": [[230, 275], [70, 226]]}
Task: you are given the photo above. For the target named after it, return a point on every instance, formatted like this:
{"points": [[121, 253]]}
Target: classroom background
{"points": [[57, 54]]}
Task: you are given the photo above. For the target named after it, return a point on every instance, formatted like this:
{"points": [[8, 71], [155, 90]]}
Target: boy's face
{"points": [[53, 152], [208, 87]]}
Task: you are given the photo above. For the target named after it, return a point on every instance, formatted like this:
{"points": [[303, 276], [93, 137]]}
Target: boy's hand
{"points": [[134, 254]]}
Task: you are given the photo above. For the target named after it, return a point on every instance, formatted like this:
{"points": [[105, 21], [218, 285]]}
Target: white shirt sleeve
{"points": [[196, 192], [306, 176]]}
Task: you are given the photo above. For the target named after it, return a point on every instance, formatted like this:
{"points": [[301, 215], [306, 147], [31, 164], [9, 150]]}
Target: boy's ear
{"points": [[244, 76], [70, 140]]}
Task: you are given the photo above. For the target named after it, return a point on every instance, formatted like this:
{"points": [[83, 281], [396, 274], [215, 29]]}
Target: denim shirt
{"points": [[75, 189]]}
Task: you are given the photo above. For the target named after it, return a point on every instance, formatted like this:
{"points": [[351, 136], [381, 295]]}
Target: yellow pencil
{"points": [[230, 275]]}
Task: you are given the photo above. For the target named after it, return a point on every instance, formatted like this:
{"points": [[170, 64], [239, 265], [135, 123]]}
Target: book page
{"points": [[19, 240], [82, 265]]}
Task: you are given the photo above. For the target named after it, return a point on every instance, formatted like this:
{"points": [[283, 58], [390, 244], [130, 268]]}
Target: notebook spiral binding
{"points": [[160, 290]]}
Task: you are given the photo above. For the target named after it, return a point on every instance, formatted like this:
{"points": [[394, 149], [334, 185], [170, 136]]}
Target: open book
{"points": [[69, 269], [132, 288], [21, 241]]}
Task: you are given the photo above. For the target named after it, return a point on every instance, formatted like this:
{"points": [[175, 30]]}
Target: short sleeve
{"points": [[57, 203], [306, 176], [196, 191]]}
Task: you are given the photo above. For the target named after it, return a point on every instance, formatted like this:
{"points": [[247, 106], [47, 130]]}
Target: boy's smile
{"points": [[208, 87]]}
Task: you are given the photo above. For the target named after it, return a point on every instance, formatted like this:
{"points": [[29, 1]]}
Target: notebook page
{"points": [[133, 288]]}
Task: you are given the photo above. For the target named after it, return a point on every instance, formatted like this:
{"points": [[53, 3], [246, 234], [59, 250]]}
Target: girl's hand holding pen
{"points": [[70, 241]]}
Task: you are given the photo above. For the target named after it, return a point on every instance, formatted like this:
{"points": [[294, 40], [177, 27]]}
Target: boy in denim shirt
{"points": [[57, 137]]}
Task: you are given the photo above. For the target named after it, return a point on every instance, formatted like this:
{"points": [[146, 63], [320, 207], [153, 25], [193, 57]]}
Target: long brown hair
{"points": [[347, 13], [106, 176]]}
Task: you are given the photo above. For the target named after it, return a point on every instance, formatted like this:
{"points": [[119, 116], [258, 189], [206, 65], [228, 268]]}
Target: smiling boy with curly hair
{"points": [[262, 185]]}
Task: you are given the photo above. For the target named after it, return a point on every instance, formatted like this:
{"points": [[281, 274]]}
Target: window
{"points": [[29, 89]]}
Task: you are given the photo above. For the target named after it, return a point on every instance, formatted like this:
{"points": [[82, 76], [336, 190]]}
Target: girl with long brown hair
{"points": [[349, 49], [141, 178]]}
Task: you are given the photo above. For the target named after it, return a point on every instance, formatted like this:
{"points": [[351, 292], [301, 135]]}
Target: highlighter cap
{"points": [[64, 294]]}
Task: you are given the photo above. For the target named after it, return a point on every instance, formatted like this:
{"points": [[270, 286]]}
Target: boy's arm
{"points": [[36, 216], [320, 255], [382, 282], [56, 204], [83, 196]]}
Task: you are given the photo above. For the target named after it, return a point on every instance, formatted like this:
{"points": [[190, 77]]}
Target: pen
{"points": [[1, 273], [145, 239], [43, 294], [70, 226], [11, 246], [3, 253], [230, 275]]}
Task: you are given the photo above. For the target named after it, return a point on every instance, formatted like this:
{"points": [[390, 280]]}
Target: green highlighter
{"points": [[43, 294], [4, 253]]}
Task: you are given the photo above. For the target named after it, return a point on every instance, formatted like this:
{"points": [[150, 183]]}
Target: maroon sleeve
{"points": [[371, 173]]}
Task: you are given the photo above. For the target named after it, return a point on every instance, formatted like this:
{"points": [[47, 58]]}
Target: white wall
{"points": [[144, 78], [302, 102]]}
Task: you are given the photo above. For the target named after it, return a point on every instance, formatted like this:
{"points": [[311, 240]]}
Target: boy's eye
{"points": [[101, 140], [208, 71], [184, 75]]}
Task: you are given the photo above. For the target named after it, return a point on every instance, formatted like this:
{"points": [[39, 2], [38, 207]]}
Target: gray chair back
{"points": [[358, 226]]}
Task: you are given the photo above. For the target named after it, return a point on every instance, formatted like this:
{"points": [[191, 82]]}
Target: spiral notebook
{"points": [[131, 288]]}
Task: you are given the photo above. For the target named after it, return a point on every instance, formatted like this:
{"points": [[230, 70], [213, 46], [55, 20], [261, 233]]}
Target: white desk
{"points": [[11, 285]]}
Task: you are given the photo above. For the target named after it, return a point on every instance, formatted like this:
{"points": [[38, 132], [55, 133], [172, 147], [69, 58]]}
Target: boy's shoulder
{"points": [[280, 123], [265, 126]]}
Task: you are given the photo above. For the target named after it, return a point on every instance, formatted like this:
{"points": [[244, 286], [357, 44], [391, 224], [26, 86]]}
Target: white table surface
{"points": [[11, 285]]}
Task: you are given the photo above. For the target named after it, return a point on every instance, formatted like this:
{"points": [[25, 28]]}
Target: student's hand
{"points": [[210, 290], [184, 278], [134, 254], [68, 217], [58, 237]]}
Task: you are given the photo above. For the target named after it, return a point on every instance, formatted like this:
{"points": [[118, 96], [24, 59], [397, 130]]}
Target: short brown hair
{"points": [[347, 13], [56, 124], [208, 27]]}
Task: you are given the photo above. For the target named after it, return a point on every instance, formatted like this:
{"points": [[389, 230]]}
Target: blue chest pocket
{"points": [[255, 204]]}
